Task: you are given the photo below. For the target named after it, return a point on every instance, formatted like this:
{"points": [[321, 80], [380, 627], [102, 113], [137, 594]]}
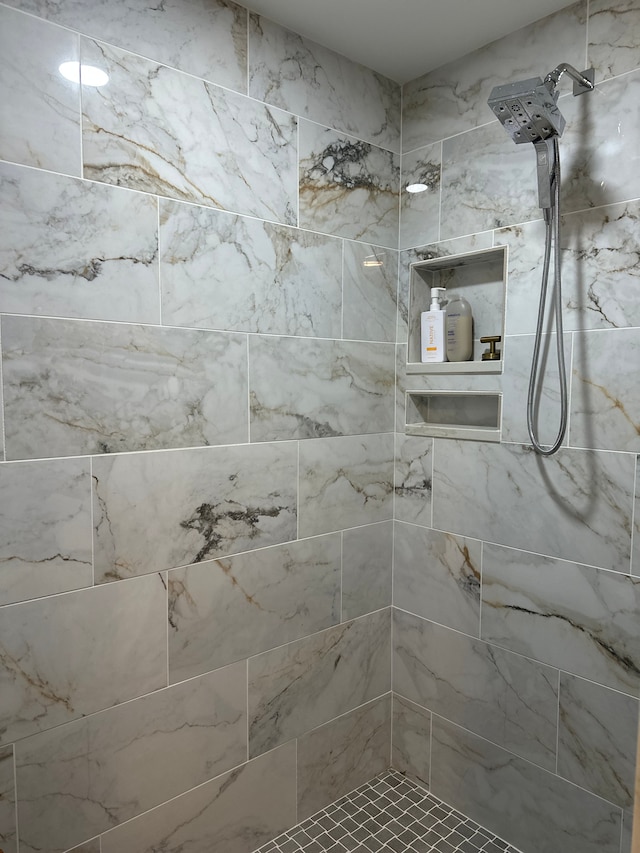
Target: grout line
{"points": [[159, 250], [558, 725]]}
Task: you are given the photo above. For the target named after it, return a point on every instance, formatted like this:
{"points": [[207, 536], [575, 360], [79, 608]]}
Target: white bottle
{"points": [[459, 329], [432, 335]]}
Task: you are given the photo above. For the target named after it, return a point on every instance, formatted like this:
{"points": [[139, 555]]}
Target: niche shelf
{"points": [[454, 414], [478, 276]]}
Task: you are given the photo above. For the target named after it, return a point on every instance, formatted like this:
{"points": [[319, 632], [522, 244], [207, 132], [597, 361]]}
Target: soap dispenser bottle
{"points": [[432, 329], [459, 329]]}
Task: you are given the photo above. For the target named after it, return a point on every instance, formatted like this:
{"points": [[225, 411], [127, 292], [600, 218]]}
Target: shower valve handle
{"points": [[491, 354]]}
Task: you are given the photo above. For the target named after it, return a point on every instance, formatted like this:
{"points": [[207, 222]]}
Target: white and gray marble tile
{"points": [[39, 109], [92, 846], [155, 129], [205, 39], [8, 832], [234, 607], [605, 403], [614, 37], [304, 684], [413, 479], [531, 808], [71, 248], [311, 388], [83, 778], [437, 576], [367, 558], [105, 387], [370, 287], [583, 500], [635, 552], [338, 757], [222, 271], [345, 481], [502, 696], [67, 656], [420, 212], [296, 74], [453, 98], [598, 732], [45, 528], [581, 619], [233, 813], [194, 505], [348, 187], [411, 740], [627, 831]]}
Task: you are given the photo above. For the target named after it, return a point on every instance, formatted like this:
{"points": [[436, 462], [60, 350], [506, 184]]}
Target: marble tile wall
{"points": [[198, 326]]}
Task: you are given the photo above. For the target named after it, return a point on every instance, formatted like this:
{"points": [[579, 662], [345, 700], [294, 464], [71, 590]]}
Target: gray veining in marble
{"points": [[534, 809], [411, 740], [194, 505], [367, 558], [83, 778], [304, 684], [437, 576], [583, 500], [504, 697], [369, 292], [420, 212], [104, 387], [39, 109], [221, 271], [347, 187], [8, 834], [67, 656], [45, 528], [338, 757], [233, 813], [413, 479], [578, 618], [156, 129], [635, 553], [313, 388], [71, 248], [597, 739], [234, 607], [614, 36], [345, 482], [289, 71]]}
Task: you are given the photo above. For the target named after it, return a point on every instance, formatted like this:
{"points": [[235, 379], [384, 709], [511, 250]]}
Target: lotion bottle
{"points": [[459, 329], [432, 329]]}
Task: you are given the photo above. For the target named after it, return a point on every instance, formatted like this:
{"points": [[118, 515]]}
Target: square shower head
{"points": [[527, 109]]}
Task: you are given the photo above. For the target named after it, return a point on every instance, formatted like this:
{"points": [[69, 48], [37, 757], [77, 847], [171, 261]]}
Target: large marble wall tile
{"points": [[64, 657], [234, 607], [453, 98], [367, 559], [342, 755], [104, 388], [577, 618], [207, 39], [635, 554], [614, 36], [605, 398], [193, 505], [304, 684], [92, 846], [597, 739], [347, 187], [413, 478], [369, 292], [345, 482], [155, 129], [437, 575], [231, 272], [76, 249], [8, 838], [529, 807], [39, 109], [312, 388], [582, 500], [290, 71], [45, 528], [233, 813], [411, 740], [504, 697], [420, 212], [83, 778]]}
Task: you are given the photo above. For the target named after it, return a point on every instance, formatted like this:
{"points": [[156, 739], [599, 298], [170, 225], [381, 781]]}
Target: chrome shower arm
{"points": [[582, 80]]}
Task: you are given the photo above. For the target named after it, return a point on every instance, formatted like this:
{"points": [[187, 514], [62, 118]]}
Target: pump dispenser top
{"points": [[437, 297]]}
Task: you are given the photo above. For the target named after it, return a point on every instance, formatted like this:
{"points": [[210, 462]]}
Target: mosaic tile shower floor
{"points": [[389, 813]]}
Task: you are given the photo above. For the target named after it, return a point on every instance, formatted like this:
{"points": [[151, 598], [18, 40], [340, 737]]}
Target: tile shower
{"points": [[206, 481]]}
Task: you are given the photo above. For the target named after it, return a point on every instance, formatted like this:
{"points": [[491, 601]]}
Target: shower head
{"points": [[528, 110]]}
